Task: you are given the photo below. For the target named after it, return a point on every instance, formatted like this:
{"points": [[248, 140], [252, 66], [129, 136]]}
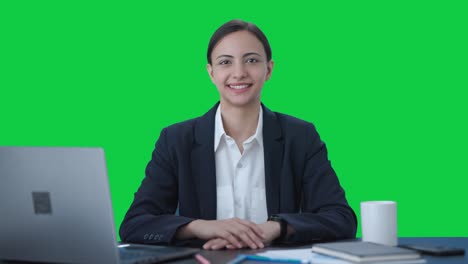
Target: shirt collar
{"points": [[219, 128], [220, 132]]}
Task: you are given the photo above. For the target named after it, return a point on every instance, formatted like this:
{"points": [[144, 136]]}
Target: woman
{"points": [[241, 175]]}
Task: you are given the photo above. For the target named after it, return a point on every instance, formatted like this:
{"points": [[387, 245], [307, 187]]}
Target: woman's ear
{"points": [[270, 66], [209, 69]]}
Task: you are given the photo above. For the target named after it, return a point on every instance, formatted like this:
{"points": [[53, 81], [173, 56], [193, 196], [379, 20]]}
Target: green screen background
{"points": [[384, 82]]}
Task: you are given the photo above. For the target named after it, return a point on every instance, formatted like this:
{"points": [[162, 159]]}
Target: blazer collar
{"points": [[203, 161], [273, 148], [204, 128], [203, 164]]}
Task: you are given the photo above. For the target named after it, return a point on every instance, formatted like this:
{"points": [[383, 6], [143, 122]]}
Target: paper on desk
{"points": [[307, 255], [407, 261], [302, 254]]}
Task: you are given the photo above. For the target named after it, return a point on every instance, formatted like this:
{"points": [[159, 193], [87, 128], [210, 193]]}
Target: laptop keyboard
{"points": [[153, 255], [138, 257]]}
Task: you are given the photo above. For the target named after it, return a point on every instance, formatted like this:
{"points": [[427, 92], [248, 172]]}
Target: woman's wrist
{"points": [[283, 227], [188, 231], [276, 229]]}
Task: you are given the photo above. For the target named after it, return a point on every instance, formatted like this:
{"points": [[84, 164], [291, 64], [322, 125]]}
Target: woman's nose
{"points": [[239, 71]]}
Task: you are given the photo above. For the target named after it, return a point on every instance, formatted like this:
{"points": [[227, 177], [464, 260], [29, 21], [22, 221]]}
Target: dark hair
{"points": [[234, 26]]}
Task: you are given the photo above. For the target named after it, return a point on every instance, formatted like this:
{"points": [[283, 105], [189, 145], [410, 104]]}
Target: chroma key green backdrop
{"points": [[385, 83]]}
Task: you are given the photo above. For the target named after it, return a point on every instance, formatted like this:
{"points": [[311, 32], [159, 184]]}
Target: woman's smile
{"points": [[239, 88]]}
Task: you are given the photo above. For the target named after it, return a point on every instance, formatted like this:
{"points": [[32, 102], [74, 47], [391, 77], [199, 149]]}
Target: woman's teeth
{"points": [[239, 86]]}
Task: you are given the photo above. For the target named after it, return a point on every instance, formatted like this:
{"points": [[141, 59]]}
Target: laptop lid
{"points": [[55, 206]]}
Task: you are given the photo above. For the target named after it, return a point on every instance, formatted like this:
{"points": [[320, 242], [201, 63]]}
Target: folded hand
{"points": [[234, 231], [270, 231]]}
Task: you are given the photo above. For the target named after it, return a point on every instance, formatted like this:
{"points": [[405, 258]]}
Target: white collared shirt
{"points": [[240, 178]]}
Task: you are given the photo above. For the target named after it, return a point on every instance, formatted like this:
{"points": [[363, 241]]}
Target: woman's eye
{"points": [[224, 62], [252, 60]]}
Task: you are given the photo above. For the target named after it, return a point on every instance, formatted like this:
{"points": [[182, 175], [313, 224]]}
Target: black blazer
{"points": [[301, 185]]}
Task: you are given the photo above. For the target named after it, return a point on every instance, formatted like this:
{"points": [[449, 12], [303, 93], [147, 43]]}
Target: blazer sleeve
{"points": [[325, 213], [151, 218]]}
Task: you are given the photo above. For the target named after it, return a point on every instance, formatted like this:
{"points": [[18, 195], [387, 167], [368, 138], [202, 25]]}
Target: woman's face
{"points": [[239, 69]]}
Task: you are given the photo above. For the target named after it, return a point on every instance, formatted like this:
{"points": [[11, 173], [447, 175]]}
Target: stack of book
{"points": [[365, 252]]}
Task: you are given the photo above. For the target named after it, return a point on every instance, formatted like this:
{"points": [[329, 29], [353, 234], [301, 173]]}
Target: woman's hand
{"points": [[219, 233], [271, 230]]}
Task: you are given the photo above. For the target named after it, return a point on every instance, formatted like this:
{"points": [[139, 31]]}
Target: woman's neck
{"points": [[240, 123]]}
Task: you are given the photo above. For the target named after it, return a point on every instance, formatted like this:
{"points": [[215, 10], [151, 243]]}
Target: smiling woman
{"points": [[239, 70], [241, 175]]}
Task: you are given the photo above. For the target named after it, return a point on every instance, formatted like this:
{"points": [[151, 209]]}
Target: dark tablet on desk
{"points": [[436, 250]]}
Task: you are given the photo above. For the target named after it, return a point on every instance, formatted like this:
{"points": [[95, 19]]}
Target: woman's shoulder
{"points": [[182, 127], [190, 124], [296, 130]]}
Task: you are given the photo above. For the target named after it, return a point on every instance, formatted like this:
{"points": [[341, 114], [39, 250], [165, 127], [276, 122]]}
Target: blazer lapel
{"points": [[273, 147], [203, 164]]}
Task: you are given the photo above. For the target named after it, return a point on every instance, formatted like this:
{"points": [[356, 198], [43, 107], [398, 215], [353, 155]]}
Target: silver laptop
{"points": [[55, 207]]}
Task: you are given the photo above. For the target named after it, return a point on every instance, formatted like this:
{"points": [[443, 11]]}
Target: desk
{"points": [[462, 242], [223, 256]]}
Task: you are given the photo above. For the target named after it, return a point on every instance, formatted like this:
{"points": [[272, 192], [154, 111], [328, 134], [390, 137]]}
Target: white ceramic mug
{"points": [[379, 222]]}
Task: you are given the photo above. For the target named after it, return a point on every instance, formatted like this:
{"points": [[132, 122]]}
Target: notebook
{"points": [[55, 207], [363, 252]]}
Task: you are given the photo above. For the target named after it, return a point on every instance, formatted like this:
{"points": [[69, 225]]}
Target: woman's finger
{"points": [[254, 227], [230, 237], [215, 244], [247, 235]]}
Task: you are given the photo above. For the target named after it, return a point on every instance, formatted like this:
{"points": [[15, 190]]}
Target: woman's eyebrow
{"points": [[245, 55], [229, 56], [251, 53]]}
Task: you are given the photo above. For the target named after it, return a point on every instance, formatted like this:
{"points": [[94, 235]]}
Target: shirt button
{"points": [[239, 165]]}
